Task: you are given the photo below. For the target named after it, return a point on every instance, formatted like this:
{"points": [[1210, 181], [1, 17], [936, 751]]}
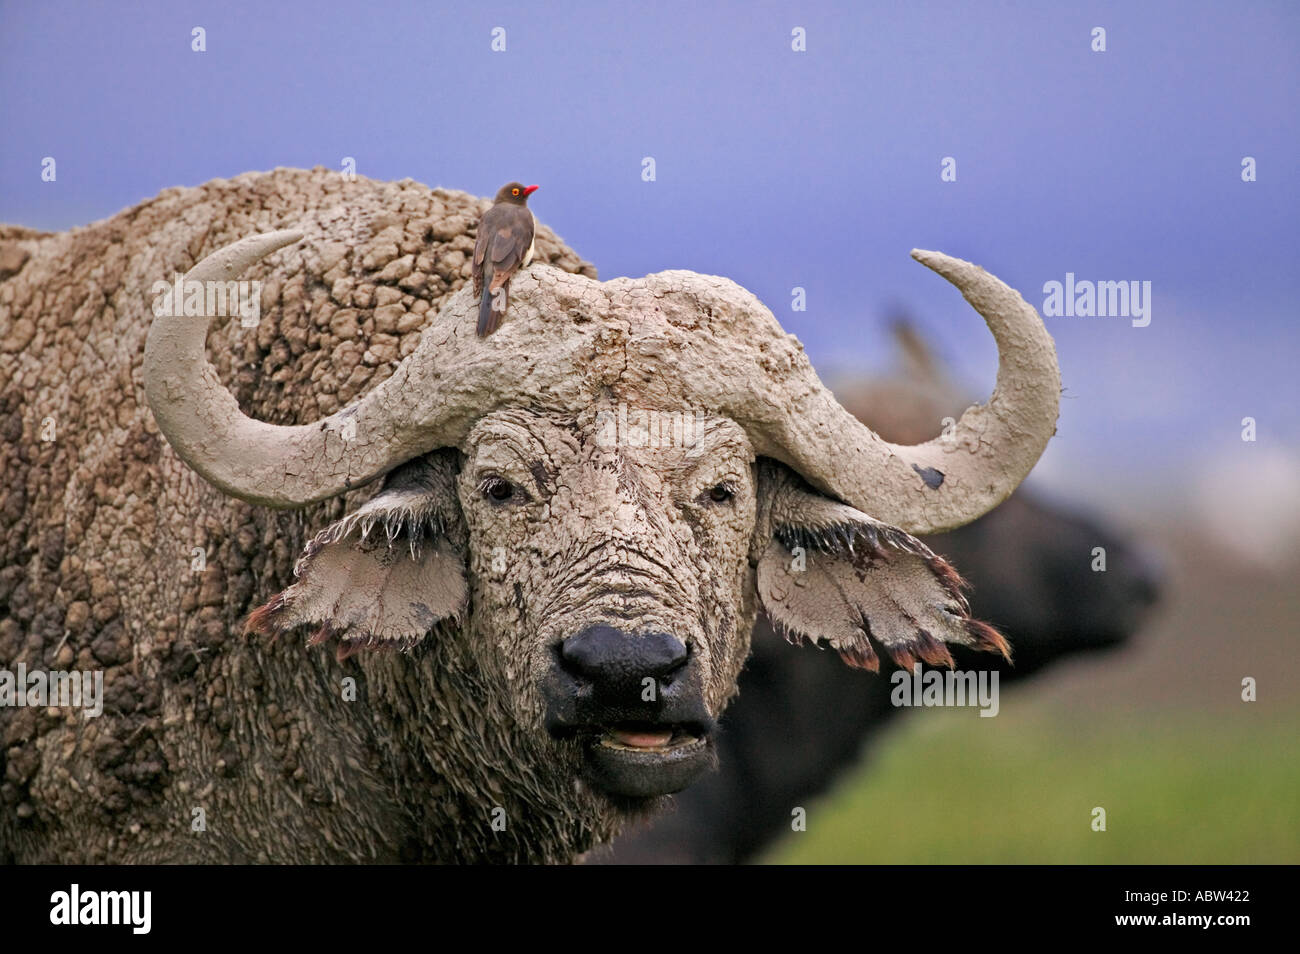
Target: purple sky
{"points": [[778, 169]]}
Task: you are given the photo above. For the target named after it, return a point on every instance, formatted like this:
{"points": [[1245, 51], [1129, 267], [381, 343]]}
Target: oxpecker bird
{"points": [[504, 245]]}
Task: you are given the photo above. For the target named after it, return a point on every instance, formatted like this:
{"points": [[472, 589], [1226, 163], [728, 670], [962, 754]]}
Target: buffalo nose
{"points": [[610, 658]]}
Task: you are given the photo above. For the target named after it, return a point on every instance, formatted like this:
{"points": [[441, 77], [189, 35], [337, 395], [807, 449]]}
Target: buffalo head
{"points": [[597, 499]]}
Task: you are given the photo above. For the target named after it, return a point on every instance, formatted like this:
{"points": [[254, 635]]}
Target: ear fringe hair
{"points": [[859, 655], [987, 639], [924, 646], [414, 523], [350, 645], [953, 583], [849, 536], [265, 620]]}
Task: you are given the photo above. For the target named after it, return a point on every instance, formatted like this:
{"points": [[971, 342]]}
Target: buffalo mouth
{"points": [[645, 759]]}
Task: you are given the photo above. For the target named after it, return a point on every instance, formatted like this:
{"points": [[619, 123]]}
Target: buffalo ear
{"points": [[386, 573], [831, 574]]}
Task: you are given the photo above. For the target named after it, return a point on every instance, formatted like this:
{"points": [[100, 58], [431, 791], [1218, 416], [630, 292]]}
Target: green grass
{"points": [[949, 787]]}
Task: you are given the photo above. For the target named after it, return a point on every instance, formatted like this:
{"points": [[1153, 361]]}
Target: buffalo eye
{"points": [[721, 493], [496, 489]]}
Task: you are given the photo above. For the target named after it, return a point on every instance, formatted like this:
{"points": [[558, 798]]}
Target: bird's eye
{"points": [[721, 493], [497, 489], [514, 191]]}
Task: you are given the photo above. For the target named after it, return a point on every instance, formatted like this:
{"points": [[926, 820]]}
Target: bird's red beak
{"points": [[529, 190]]}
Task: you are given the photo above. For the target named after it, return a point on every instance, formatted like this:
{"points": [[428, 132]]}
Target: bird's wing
{"points": [[510, 242], [481, 241], [480, 248]]}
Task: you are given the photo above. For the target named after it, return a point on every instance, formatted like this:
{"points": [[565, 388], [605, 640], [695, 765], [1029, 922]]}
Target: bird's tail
{"points": [[489, 318]]}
